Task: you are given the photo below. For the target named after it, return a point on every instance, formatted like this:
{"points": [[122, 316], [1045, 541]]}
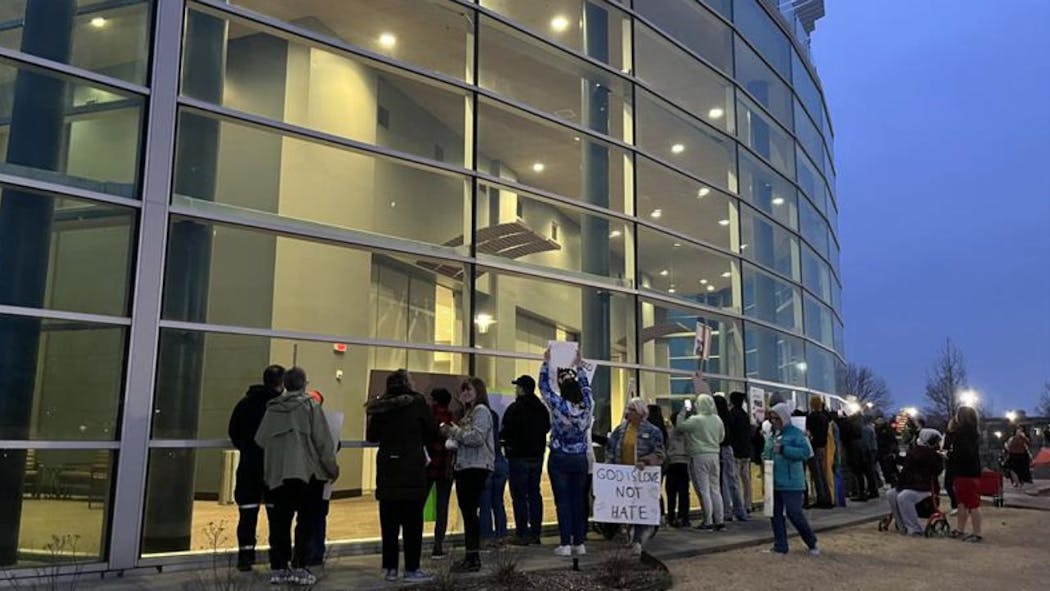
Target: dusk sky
{"points": [[941, 110]]}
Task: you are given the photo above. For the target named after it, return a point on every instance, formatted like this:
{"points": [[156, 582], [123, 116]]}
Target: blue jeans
{"points": [[790, 501], [493, 512], [525, 495], [568, 474]]}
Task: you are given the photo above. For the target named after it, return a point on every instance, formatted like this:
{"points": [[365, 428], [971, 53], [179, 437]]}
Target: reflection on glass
{"points": [[685, 271], [757, 27], [836, 295], [763, 84], [815, 274], [819, 321], [431, 34], [808, 135], [767, 190], [814, 229], [770, 299], [57, 508], [692, 25], [840, 339], [684, 205], [806, 89], [671, 390], [820, 370], [765, 137], [811, 182], [773, 355], [110, 38], [668, 336], [669, 134], [769, 244], [678, 77]]}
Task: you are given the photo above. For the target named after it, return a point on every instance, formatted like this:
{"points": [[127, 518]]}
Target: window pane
{"points": [[678, 77], [66, 131], [820, 369], [430, 34], [808, 135], [521, 314], [57, 507], [669, 134], [806, 88], [773, 355], [815, 274], [668, 333], [63, 381], [111, 38], [571, 23], [836, 295], [770, 299], [819, 322], [769, 244], [694, 26], [682, 204], [325, 91], [767, 190], [756, 26], [542, 233], [840, 342], [814, 229], [811, 182], [762, 135], [551, 80], [685, 271], [552, 158], [67, 254], [266, 171], [671, 390], [834, 254], [257, 279], [758, 79]]}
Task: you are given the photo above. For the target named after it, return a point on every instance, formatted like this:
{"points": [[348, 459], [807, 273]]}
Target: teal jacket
{"points": [[787, 464]]}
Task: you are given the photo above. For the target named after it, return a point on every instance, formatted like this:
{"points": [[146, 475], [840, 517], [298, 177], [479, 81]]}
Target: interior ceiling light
{"points": [[716, 113], [672, 290], [677, 149], [614, 234], [723, 222], [656, 213], [678, 245], [778, 201], [98, 22], [538, 167], [743, 247], [559, 23], [727, 274], [710, 288], [703, 282], [703, 192], [387, 40], [664, 273]]}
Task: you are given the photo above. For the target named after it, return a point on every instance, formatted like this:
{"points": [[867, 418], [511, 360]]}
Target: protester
{"points": [[298, 458], [918, 480], [1020, 459], [493, 509], [739, 429], [570, 443], [949, 470], [636, 442], [964, 457], [439, 470], [850, 435], [317, 548], [789, 449], [888, 451], [402, 424], [705, 432], [817, 428], [870, 451], [524, 436], [730, 486], [656, 419], [677, 476], [475, 460], [250, 490]]}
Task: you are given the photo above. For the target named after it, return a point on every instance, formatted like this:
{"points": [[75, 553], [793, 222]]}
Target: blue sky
{"points": [[941, 111]]}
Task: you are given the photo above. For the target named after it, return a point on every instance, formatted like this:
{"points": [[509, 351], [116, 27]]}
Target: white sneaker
{"points": [[814, 551], [636, 549], [279, 577], [579, 550], [302, 577], [563, 551]]}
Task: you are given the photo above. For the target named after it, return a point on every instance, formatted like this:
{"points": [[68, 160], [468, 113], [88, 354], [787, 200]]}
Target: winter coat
{"points": [[296, 441], [439, 467], [964, 456], [244, 424], [869, 441], [569, 422], [739, 428], [402, 424], [817, 425], [795, 449], [476, 440], [525, 426], [648, 446], [704, 430], [921, 469], [677, 447]]}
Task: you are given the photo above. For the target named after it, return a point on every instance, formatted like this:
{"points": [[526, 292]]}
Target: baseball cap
{"points": [[526, 382]]}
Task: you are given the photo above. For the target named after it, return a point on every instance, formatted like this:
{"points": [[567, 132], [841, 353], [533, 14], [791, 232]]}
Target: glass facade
{"points": [[191, 190]]}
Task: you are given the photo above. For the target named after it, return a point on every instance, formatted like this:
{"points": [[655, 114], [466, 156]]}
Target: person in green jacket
{"points": [[789, 449], [704, 431]]}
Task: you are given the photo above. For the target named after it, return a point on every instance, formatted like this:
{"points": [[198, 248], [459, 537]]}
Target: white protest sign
{"points": [[563, 353], [702, 341], [757, 401], [799, 422], [625, 494], [335, 427], [767, 481], [588, 368]]}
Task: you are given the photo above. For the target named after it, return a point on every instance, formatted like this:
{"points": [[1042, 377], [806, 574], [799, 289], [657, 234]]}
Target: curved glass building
{"points": [[194, 189]]}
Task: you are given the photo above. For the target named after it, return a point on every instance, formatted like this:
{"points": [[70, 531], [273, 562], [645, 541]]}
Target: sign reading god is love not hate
{"points": [[625, 494]]}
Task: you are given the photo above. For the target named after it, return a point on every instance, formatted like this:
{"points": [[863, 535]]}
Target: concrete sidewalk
{"points": [[363, 572]]}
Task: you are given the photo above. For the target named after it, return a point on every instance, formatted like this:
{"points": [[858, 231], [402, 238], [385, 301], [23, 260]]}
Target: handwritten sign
{"points": [[757, 400], [702, 341], [625, 494], [563, 353]]}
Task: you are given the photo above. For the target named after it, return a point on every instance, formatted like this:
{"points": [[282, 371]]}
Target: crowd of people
{"points": [[428, 445]]}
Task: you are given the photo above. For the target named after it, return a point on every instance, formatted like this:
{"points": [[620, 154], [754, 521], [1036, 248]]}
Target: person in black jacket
{"points": [[917, 482], [250, 488], [402, 424], [739, 428], [965, 461], [526, 423], [817, 427]]}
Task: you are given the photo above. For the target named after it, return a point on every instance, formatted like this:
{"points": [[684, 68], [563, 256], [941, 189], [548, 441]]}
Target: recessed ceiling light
{"points": [[716, 113], [538, 167], [387, 40], [656, 213], [703, 282], [678, 245], [710, 288], [778, 201], [703, 192], [664, 273], [723, 222], [672, 290], [575, 138], [98, 22], [727, 274], [615, 234], [559, 23], [677, 149], [393, 204], [743, 247]]}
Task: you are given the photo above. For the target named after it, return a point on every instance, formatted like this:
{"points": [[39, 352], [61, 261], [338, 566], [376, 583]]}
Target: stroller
{"points": [[937, 525]]}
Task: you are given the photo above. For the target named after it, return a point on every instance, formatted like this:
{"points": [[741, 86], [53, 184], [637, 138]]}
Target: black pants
{"points": [[872, 474], [250, 496], [469, 484], [949, 485], [301, 500], [677, 484], [888, 463], [444, 494], [404, 518]]}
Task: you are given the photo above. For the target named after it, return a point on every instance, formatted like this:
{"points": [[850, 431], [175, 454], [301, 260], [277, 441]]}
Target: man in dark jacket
{"points": [[524, 436], [918, 480], [250, 489], [739, 430], [817, 427]]}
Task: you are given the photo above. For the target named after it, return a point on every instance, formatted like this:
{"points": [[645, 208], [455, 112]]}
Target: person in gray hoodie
{"points": [[705, 432], [677, 481], [298, 458]]}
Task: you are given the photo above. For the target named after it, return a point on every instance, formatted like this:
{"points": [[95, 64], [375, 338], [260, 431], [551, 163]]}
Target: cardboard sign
{"points": [[625, 494], [588, 368], [767, 482], [702, 342], [799, 422], [335, 427], [757, 401]]}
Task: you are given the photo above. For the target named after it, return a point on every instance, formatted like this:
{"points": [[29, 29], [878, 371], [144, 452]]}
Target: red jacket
{"points": [[439, 467]]}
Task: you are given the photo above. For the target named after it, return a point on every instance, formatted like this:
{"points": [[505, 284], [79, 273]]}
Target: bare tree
{"points": [[868, 387], [1042, 409], [944, 380]]}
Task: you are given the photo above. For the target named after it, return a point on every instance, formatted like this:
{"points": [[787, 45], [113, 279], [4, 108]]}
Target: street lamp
{"points": [[911, 411], [870, 405], [999, 434], [968, 398], [1011, 416]]}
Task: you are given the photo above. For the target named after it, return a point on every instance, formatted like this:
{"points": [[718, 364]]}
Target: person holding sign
{"points": [[705, 432], [571, 417], [789, 449], [636, 442]]}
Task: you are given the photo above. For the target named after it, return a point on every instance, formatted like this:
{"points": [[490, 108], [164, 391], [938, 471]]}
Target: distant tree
{"points": [[868, 387], [944, 380], [1042, 409]]}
